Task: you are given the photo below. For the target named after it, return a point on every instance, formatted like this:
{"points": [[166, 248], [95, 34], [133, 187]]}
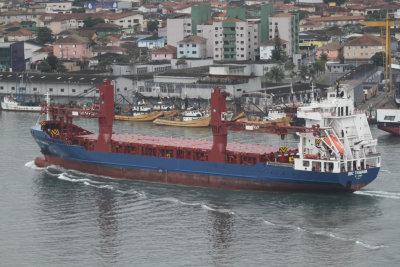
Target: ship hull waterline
{"points": [[162, 176]]}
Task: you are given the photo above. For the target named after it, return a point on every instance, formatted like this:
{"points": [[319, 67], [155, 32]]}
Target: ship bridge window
{"points": [[389, 118], [1, 87], [306, 163], [59, 78]]}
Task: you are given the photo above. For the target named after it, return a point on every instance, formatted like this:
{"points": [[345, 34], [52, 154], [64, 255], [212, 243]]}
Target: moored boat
{"points": [[9, 103], [343, 152], [388, 120], [202, 122], [143, 117]]}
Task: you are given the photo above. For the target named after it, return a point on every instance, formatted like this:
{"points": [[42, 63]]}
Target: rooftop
{"points": [[193, 39], [366, 39]]}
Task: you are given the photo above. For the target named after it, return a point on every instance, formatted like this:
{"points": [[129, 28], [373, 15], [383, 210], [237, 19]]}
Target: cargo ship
{"points": [[388, 120], [335, 152]]}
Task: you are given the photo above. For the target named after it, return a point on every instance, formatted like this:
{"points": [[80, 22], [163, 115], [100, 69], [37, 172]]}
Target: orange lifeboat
{"points": [[336, 143], [311, 156]]}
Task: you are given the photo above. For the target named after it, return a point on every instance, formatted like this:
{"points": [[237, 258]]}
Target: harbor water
{"points": [[53, 217]]}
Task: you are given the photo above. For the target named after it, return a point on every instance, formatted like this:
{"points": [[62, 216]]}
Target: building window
{"points": [[62, 90], [125, 89], [13, 88], [193, 45], [73, 90], [74, 46], [1, 87], [50, 89], [180, 45], [181, 52], [194, 52]]}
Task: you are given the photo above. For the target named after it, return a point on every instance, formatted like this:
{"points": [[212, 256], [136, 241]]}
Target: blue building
{"points": [[192, 47], [152, 42]]}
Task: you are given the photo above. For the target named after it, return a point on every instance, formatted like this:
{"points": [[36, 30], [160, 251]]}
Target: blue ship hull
{"points": [[191, 172]]}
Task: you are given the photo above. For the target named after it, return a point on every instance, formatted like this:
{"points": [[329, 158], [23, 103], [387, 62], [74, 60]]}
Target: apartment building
{"points": [[287, 26], [361, 49], [236, 40], [178, 29], [192, 47]]}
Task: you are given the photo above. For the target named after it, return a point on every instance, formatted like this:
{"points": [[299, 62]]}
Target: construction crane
{"points": [[387, 23]]}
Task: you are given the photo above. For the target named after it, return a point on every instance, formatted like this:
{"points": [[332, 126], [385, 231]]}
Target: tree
{"points": [[378, 58], [278, 54], [181, 62], [319, 66], [44, 35], [304, 72], [276, 74], [152, 25], [45, 67], [289, 65], [52, 61], [323, 57], [60, 67], [78, 10], [90, 22]]}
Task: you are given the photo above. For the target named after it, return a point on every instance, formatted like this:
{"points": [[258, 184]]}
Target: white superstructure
{"points": [[345, 143]]}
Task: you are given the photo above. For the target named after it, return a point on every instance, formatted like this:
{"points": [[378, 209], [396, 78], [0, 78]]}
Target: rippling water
{"points": [[54, 217]]}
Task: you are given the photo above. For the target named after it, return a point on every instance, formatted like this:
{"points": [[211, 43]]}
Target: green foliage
{"points": [[181, 61], [60, 68], [152, 25], [323, 57], [289, 65], [78, 10], [90, 22], [319, 66], [278, 54], [307, 72], [44, 35], [52, 60], [45, 67], [378, 58], [276, 74]]}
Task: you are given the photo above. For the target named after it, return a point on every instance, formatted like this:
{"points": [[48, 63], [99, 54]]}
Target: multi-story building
{"points": [[72, 47], [59, 7], [360, 50], [192, 47], [177, 29], [235, 39], [287, 27]]}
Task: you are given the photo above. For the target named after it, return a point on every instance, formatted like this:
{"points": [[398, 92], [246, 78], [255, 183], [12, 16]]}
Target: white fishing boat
{"points": [[9, 103]]}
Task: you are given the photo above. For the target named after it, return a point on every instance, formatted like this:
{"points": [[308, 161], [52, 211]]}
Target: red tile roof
{"points": [[168, 49], [193, 39], [368, 40], [21, 32]]}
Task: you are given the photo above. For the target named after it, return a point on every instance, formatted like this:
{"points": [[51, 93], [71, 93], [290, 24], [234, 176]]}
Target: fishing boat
{"points": [[143, 117], [10, 103], [202, 122], [335, 151]]}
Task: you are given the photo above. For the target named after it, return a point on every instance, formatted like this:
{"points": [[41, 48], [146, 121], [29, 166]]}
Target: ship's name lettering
{"points": [[357, 172]]}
